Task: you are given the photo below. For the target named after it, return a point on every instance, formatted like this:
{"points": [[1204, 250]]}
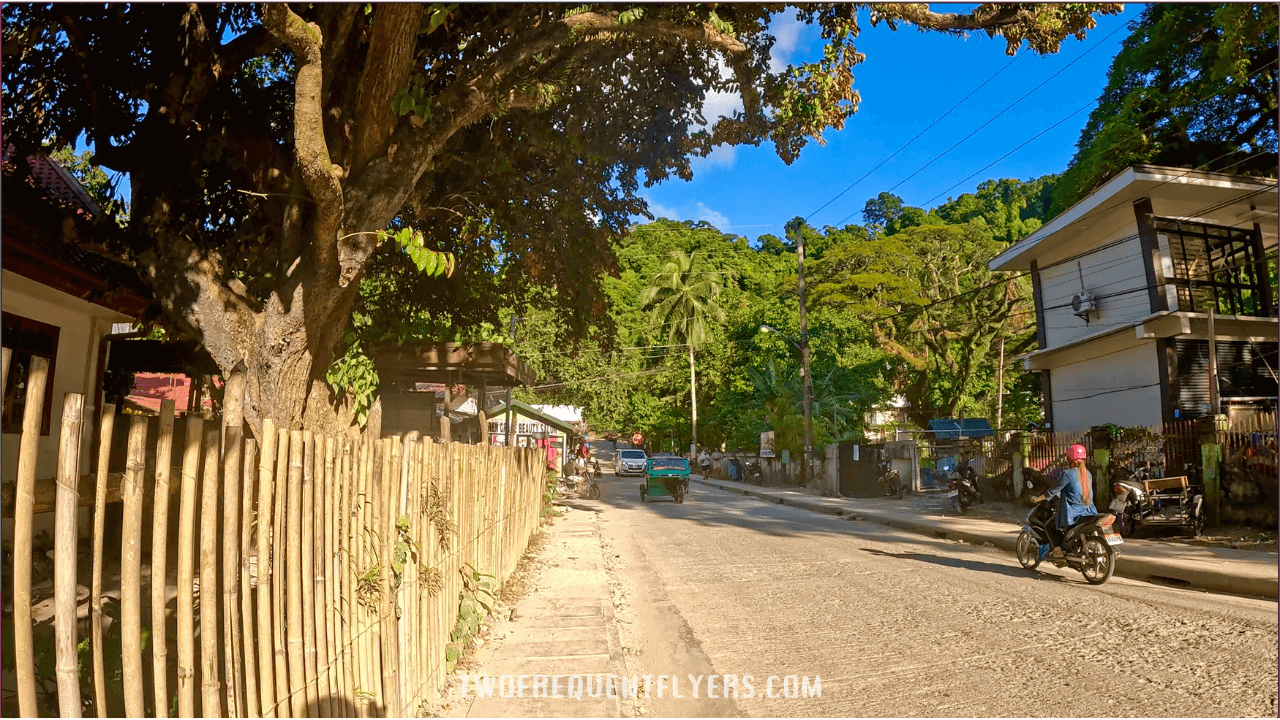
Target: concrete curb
{"points": [[1255, 577]]}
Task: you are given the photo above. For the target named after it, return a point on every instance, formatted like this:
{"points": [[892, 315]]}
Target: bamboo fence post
{"points": [[306, 536], [431, 640], [297, 673], [267, 687], [105, 428], [409, 668], [64, 552], [252, 706], [367, 639], [318, 575], [401, 618], [358, 558], [374, 504], [131, 569], [186, 561], [390, 492], [278, 552], [327, 578], [342, 559], [210, 687], [232, 460], [23, 509], [159, 560]]}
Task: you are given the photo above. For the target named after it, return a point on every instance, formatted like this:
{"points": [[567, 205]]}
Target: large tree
{"points": [[268, 146], [1193, 86]]}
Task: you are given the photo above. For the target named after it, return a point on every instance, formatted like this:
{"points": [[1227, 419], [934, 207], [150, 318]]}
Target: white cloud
{"points": [[661, 211], [703, 212], [720, 157], [787, 31]]}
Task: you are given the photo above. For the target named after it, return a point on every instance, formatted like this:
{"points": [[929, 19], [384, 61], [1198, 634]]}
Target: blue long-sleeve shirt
{"points": [[1074, 506]]}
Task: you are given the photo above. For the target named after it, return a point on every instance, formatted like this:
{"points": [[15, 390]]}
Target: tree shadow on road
{"points": [[967, 564]]}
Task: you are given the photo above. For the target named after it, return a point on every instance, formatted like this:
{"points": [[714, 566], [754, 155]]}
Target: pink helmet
{"points": [[1077, 452]]}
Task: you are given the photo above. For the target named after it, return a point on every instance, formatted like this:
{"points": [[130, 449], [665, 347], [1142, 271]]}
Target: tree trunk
{"points": [[693, 395]]}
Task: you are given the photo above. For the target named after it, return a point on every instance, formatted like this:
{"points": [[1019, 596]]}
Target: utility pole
{"points": [[804, 361], [1214, 400], [1000, 389], [510, 441]]}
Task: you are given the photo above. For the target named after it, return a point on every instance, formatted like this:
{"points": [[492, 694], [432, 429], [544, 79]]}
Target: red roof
{"points": [[149, 389]]}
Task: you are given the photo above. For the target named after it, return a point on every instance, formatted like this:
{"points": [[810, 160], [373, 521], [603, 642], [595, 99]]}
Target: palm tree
{"points": [[686, 300]]}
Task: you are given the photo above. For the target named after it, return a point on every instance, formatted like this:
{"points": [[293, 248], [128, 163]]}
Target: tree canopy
{"points": [[1193, 86], [267, 147]]}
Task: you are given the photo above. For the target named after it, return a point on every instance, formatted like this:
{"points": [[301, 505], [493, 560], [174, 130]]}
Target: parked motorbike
{"points": [[891, 484], [595, 468], [964, 488], [1089, 545], [752, 472], [579, 486]]}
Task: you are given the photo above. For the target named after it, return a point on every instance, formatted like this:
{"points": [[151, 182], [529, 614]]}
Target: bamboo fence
{"points": [[316, 575]]}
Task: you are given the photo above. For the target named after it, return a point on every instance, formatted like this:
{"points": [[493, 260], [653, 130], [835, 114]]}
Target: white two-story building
{"points": [[1124, 283]]}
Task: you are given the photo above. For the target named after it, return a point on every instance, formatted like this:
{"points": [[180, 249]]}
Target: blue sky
{"points": [[907, 81]]}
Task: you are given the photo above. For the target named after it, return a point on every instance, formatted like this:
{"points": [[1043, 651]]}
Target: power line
{"points": [[997, 116], [917, 137]]}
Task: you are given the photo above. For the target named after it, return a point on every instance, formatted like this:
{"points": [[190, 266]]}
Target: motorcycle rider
{"points": [[1075, 486]]}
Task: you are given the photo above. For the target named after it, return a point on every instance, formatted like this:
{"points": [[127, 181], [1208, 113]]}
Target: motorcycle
{"points": [[964, 492], [752, 472], [595, 468], [1089, 545], [579, 486], [891, 484]]}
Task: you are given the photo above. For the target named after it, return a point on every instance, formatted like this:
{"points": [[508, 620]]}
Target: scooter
{"points": [[891, 484], [1089, 545], [964, 488]]}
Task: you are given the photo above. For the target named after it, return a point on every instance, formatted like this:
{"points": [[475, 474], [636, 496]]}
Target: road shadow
{"points": [[966, 564]]}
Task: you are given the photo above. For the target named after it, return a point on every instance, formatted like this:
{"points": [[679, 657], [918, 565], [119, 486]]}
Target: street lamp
{"points": [[803, 347]]}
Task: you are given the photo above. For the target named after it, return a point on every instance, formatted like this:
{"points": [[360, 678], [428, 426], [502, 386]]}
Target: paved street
{"points": [[898, 624]]}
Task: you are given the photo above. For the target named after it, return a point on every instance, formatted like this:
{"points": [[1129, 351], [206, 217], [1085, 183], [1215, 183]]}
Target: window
{"points": [[1218, 267], [27, 338]]}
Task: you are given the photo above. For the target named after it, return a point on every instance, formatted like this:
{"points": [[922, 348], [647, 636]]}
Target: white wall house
{"points": [[1124, 281], [59, 302]]}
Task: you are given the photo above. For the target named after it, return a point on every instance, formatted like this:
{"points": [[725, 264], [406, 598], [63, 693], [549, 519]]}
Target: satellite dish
{"points": [[1081, 304]]}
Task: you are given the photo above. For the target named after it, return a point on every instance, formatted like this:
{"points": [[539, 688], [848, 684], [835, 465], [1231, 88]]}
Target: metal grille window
{"points": [[1218, 267]]}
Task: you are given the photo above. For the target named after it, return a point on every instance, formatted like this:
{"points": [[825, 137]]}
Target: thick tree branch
{"points": [[319, 174], [386, 71], [378, 191], [257, 41]]}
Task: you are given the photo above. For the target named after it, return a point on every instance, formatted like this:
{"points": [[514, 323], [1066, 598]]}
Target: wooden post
{"points": [[252, 705], [186, 561], [482, 406], [279, 576], [391, 477], [105, 428], [319, 560], [308, 579], [266, 653], [131, 569], [446, 428], [5, 356], [292, 534], [210, 687], [159, 560], [24, 504], [232, 460], [342, 559], [64, 552]]}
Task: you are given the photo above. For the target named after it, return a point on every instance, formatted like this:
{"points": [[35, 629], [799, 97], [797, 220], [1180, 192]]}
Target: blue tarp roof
{"points": [[948, 429]]}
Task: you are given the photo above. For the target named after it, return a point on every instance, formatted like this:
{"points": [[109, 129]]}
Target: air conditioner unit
{"points": [[1081, 304]]}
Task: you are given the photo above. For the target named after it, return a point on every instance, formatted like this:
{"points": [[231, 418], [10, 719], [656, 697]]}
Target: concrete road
{"points": [[896, 624]]}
